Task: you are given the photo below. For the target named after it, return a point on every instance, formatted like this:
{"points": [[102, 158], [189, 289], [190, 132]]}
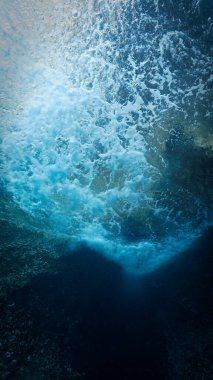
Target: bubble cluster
{"points": [[104, 105]]}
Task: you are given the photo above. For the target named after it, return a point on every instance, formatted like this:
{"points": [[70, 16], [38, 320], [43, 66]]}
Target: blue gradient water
{"points": [[105, 107]]}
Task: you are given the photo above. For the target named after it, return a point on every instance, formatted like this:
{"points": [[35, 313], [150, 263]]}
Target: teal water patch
{"points": [[106, 123]]}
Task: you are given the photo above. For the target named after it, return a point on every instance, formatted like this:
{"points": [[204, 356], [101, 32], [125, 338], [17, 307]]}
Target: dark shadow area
{"points": [[90, 321]]}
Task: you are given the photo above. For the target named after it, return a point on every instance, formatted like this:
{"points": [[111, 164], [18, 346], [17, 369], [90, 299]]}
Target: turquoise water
{"points": [[106, 117]]}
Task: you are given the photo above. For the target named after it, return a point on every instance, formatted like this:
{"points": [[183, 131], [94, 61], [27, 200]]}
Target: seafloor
{"points": [[88, 320]]}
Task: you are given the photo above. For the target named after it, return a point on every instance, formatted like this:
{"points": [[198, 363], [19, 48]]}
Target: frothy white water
{"points": [[94, 92]]}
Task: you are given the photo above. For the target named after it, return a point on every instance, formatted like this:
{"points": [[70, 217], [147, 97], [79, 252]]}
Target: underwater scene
{"points": [[106, 189]]}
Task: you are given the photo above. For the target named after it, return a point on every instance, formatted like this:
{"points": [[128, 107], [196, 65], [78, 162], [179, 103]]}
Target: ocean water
{"points": [[106, 118], [106, 158]]}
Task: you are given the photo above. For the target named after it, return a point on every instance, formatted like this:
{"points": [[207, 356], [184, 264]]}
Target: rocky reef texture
{"points": [[24, 251], [89, 321]]}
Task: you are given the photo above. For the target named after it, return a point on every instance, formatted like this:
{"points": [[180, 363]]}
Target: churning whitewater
{"points": [[105, 108]]}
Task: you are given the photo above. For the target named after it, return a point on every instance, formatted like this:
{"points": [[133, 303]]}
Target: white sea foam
{"points": [[92, 93]]}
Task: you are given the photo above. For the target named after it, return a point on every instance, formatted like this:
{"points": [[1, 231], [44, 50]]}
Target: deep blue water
{"points": [[94, 319]]}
